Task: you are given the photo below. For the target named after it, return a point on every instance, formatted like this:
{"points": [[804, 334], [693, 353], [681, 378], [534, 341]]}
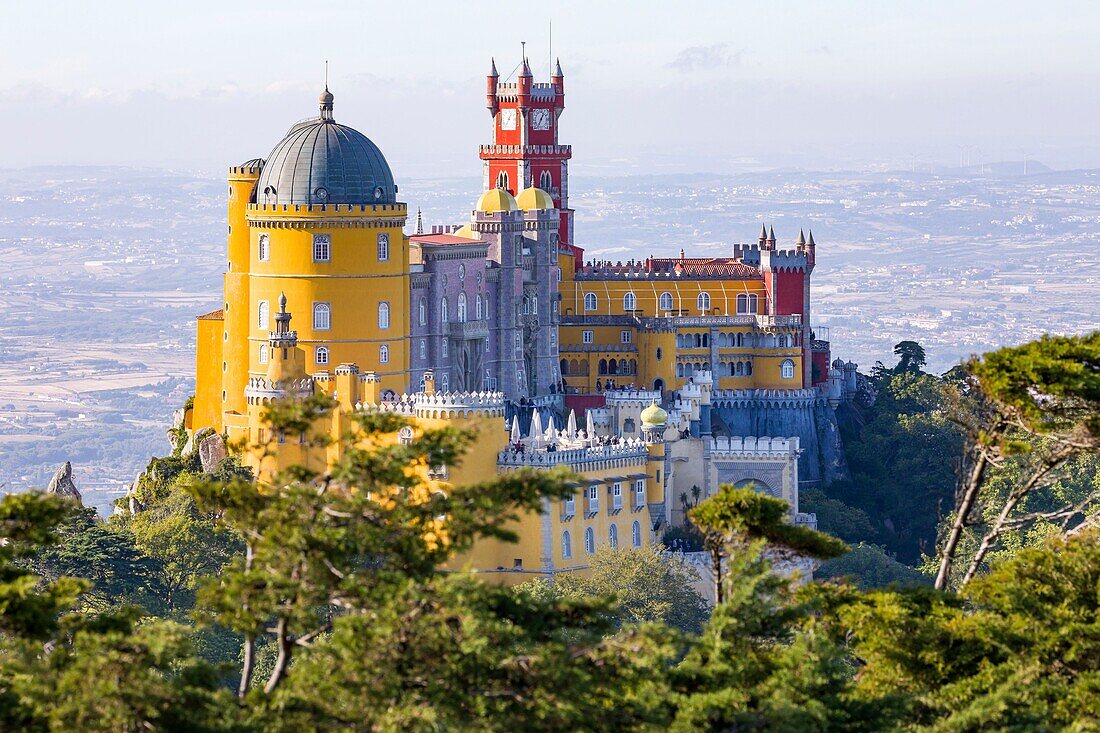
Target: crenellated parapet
{"points": [[261, 390], [446, 405], [624, 454], [775, 398], [751, 448], [643, 397]]}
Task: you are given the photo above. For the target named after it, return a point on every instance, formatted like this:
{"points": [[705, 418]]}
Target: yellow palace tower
{"points": [[319, 221]]}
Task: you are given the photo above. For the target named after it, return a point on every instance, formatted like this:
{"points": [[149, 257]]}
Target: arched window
{"points": [[423, 313], [630, 302], [589, 541], [383, 247], [502, 180], [405, 435], [566, 545], [740, 369], [590, 303], [748, 368], [659, 353], [563, 367], [384, 354], [703, 301], [261, 315], [444, 348], [613, 536], [265, 247], [787, 369], [546, 181], [423, 348], [462, 307], [754, 301], [679, 370], [636, 534], [322, 316], [666, 302], [263, 353], [742, 303], [383, 315], [479, 311], [443, 309], [320, 356]]}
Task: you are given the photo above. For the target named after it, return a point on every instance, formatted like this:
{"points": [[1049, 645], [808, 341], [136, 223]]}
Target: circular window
{"points": [[378, 192], [321, 194], [462, 272]]}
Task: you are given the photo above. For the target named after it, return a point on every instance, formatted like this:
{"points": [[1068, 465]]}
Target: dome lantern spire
{"points": [[326, 98]]}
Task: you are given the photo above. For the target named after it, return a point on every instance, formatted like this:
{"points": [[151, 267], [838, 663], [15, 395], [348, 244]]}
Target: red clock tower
{"points": [[525, 150]]}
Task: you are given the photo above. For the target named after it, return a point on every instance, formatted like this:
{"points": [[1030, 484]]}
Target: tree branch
{"points": [[1049, 464], [968, 498]]}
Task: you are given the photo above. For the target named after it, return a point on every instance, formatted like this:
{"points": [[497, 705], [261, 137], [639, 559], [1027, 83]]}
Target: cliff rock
{"points": [[212, 452], [62, 483]]}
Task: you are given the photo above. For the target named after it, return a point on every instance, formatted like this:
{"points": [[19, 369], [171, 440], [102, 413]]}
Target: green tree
{"points": [[902, 453], [1018, 649], [648, 585], [186, 544], [118, 571], [870, 566], [62, 669], [735, 520], [1038, 405], [340, 573], [910, 357], [770, 658]]}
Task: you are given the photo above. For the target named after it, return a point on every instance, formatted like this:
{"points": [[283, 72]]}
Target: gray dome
{"points": [[323, 162]]}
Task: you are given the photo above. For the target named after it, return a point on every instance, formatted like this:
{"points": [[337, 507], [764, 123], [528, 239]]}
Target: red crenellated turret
{"points": [[491, 102], [524, 87], [558, 80]]}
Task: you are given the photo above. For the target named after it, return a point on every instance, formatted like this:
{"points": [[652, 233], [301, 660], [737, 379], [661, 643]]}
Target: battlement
{"points": [[780, 398], [490, 151], [261, 390], [665, 268], [397, 209], [750, 447], [624, 454], [647, 396], [446, 405]]}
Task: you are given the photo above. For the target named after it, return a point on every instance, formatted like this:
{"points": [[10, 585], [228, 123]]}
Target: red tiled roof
{"points": [[218, 315], [707, 266]]}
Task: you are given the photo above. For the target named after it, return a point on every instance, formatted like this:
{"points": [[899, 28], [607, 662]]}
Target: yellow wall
{"points": [[207, 412], [685, 292], [353, 282]]}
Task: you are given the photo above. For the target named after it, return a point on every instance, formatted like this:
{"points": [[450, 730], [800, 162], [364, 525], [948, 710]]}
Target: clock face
{"points": [[540, 119], [508, 119]]}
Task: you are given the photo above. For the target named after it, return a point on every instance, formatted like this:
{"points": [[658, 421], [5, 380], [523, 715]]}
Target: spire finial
{"points": [[801, 236], [763, 233], [771, 235], [326, 75], [419, 221], [493, 66], [326, 99]]}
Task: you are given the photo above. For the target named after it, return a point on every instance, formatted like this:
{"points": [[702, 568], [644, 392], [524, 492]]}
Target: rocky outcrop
{"points": [[62, 484], [212, 452]]}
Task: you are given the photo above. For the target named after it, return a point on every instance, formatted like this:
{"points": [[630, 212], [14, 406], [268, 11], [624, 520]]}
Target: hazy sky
{"points": [[668, 86]]}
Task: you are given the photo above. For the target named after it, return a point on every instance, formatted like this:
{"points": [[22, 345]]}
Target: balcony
{"points": [[468, 329]]}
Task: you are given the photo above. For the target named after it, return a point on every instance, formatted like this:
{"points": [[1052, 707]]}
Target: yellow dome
{"points": [[530, 199], [466, 231], [655, 416], [496, 199]]}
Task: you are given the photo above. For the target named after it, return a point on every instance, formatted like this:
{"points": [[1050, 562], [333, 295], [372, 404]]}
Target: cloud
{"points": [[706, 57]]}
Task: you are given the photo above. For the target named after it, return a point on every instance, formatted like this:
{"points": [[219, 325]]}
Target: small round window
{"points": [[321, 194], [378, 192]]}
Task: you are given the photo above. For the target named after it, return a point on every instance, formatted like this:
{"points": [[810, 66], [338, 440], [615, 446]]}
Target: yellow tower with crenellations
{"points": [[318, 222]]}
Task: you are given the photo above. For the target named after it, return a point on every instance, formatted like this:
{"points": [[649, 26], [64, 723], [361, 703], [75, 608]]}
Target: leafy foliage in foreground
{"points": [[332, 584]]}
